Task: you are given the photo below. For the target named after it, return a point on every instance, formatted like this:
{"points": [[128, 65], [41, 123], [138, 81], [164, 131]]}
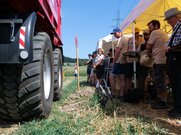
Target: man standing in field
{"points": [[155, 45], [119, 64], [173, 17]]}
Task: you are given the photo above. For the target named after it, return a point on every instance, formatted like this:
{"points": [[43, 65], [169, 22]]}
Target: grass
{"points": [[88, 118], [51, 126], [69, 71]]}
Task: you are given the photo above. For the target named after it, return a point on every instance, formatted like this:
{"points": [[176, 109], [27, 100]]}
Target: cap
{"points": [[116, 30], [137, 30]]}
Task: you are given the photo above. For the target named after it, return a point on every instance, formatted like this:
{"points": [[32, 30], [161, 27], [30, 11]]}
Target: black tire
{"points": [[22, 95], [58, 74]]}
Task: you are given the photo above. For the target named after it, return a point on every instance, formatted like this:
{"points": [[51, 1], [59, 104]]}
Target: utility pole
{"points": [[117, 19]]}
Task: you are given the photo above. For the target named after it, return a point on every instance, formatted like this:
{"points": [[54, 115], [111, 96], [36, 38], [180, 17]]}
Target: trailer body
{"points": [[20, 17], [30, 58]]}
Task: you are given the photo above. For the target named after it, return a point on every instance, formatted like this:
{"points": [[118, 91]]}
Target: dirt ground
{"points": [[142, 110], [7, 128]]}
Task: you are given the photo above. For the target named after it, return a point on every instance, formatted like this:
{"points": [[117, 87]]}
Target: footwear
{"points": [[174, 113], [160, 105]]}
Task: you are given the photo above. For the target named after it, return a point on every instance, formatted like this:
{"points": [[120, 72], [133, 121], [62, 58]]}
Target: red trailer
{"points": [[30, 58]]}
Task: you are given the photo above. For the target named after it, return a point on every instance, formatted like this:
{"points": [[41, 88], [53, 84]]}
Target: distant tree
{"points": [[73, 60]]}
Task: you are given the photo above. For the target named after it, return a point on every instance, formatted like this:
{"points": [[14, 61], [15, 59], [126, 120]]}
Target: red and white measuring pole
{"points": [[77, 61]]}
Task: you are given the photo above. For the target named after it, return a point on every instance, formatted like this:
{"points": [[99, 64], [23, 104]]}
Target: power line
{"points": [[117, 19]]}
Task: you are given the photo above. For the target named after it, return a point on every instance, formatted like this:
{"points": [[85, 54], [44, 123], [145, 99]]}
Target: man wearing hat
{"points": [[173, 17], [129, 70], [118, 63]]}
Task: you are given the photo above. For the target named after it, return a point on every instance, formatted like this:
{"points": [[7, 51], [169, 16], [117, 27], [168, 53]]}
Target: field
{"points": [[69, 71], [79, 113]]}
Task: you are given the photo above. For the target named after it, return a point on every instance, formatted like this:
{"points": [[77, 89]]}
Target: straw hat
{"points": [[171, 12]]}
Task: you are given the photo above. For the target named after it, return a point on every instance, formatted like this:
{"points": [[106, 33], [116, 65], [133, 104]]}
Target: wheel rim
{"points": [[47, 75]]}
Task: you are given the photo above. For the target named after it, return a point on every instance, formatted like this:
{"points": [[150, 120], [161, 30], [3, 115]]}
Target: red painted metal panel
{"points": [[48, 12], [52, 10]]}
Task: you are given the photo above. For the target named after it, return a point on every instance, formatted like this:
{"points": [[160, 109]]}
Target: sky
{"points": [[90, 20]]}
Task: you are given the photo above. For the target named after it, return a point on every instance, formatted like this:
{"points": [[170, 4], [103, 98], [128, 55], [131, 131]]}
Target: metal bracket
{"points": [[12, 22]]}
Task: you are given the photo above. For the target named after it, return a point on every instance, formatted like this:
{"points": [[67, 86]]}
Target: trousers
{"points": [[174, 72]]}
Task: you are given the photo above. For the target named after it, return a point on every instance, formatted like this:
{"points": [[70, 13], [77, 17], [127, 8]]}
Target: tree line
{"points": [[73, 60]]}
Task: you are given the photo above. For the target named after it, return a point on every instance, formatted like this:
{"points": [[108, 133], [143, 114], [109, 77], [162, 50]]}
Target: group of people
{"points": [[95, 68], [158, 56]]}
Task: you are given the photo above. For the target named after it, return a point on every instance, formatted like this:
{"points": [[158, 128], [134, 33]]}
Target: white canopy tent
{"points": [[107, 43]]}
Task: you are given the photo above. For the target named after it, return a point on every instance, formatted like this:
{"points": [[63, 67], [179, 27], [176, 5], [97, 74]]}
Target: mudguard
{"points": [[19, 48]]}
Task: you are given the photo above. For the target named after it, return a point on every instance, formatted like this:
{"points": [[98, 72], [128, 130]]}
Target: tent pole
{"points": [[134, 49], [112, 48], [164, 9]]}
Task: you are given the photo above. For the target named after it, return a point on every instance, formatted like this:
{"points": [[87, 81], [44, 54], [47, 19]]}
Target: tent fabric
{"points": [[144, 12], [109, 42], [106, 43], [148, 10]]}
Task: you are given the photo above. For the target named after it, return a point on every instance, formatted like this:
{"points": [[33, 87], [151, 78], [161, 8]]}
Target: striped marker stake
{"points": [[77, 62], [22, 38]]}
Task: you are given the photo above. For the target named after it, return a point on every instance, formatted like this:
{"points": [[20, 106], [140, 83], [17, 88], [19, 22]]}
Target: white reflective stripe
{"points": [[23, 28], [21, 47], [22, 37]]}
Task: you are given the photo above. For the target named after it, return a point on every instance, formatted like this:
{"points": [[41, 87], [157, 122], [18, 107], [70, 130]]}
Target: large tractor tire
{"points": [[58, 74], [26, 91]]}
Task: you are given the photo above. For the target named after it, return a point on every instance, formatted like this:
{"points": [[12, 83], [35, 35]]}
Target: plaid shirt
{"points": [[177, 36]]}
